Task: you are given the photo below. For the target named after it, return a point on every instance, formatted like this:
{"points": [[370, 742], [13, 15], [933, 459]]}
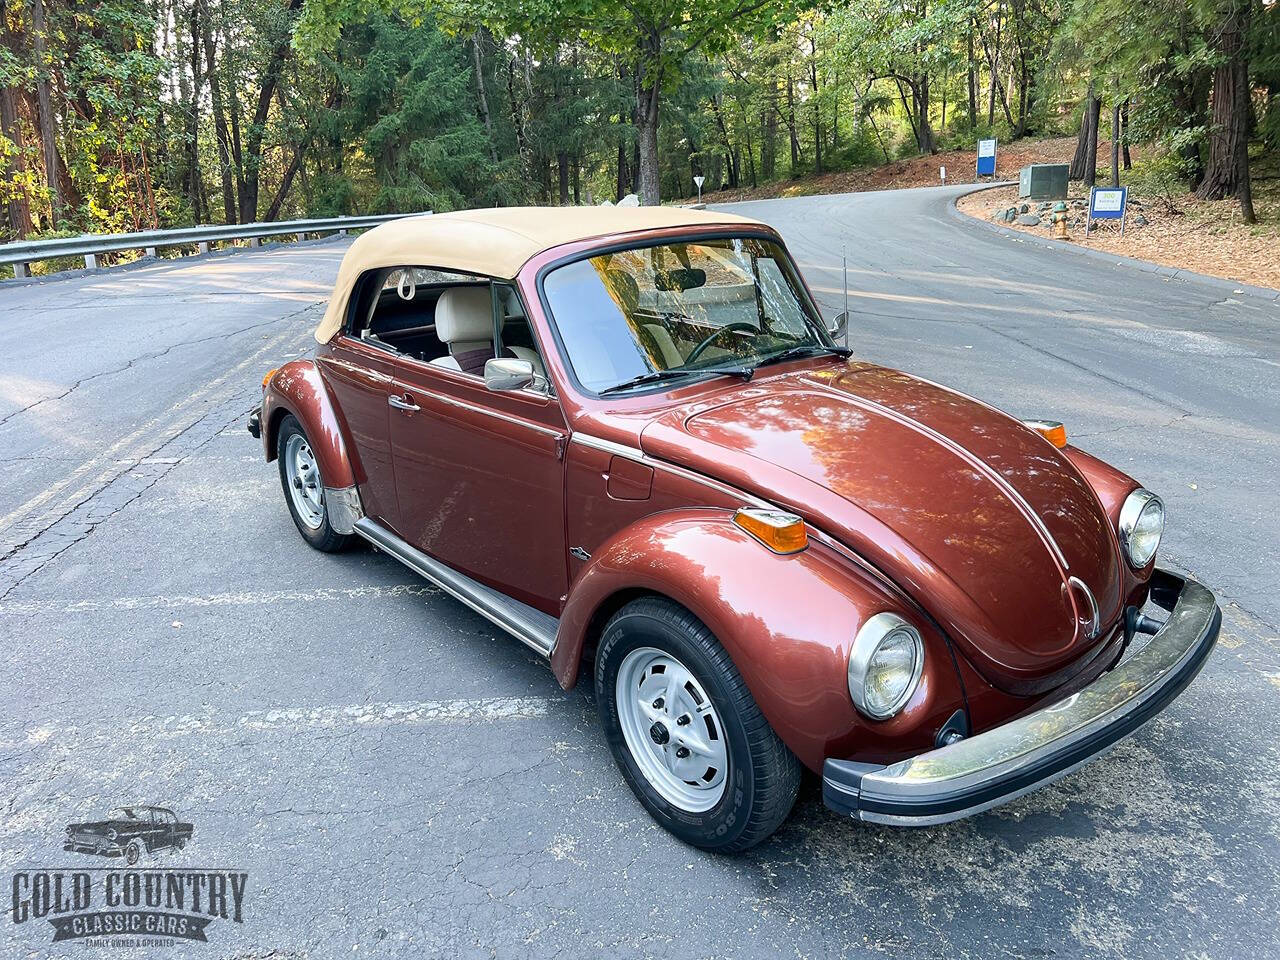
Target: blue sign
{"points": [[986, 158], [1108, 203]]}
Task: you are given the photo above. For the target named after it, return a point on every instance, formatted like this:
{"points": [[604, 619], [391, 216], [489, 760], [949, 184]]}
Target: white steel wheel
{"points": [[302, 478], [672, 729]]}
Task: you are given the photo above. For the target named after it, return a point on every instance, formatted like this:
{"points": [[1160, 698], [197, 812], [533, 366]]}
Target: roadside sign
{"points": [[942, 172], [1107, 203], [986, 158], [698, 181]]}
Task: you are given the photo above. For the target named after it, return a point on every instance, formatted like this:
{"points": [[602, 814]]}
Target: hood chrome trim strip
{"points": [[976, 462]]}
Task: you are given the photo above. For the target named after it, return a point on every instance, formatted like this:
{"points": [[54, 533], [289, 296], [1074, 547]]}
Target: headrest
{"points": [[464, 314]]}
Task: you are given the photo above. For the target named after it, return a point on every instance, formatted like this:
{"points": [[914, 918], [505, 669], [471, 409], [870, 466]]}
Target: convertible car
{"points": [[629, 438]]}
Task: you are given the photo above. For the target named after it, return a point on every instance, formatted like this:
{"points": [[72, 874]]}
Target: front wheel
{"points": [[304, 488], [686, 732]]}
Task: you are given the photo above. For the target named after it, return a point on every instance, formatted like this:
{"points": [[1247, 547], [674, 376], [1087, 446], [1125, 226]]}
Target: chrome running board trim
{"points": [[532, 627]]}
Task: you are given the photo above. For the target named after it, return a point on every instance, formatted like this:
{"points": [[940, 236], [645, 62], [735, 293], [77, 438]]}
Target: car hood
{"points": [[988, 526]]}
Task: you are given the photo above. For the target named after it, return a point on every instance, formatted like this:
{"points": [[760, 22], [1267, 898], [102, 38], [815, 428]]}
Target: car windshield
{"points": [[127, 813], [660, 313]]}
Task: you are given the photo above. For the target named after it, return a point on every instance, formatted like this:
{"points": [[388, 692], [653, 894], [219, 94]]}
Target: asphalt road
{"points": [[398, 779]]}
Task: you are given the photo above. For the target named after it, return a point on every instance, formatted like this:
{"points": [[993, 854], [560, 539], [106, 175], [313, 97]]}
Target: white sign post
{"points": [[698, 183], [942, 172]]}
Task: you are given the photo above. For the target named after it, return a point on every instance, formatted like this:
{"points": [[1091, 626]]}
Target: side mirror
{"points": [[838, 327], [507, 373]]}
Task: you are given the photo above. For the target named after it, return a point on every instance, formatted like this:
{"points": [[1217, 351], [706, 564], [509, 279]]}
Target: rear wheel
{"points": [[133, 851], [686, 732], [304, 487]]}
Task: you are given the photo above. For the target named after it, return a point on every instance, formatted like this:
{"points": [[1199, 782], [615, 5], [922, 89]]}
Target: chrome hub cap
{"points": [[672, 730], [303, 476]]}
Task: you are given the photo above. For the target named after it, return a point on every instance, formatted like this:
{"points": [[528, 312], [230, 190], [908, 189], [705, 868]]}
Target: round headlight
{"points": [[111, 834], [884, 665], [1141, 526]]}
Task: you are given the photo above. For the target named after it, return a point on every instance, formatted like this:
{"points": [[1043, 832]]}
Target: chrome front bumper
{"points": [[994, 767]]}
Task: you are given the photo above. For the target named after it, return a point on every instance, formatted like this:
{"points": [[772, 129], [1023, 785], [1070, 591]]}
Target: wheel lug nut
{"points": [[682, 752], [657, 704], [683, 721]]}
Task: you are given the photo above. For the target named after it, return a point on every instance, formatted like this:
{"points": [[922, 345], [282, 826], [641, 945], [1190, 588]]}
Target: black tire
{"points": [[763, 776], [322, 537]]}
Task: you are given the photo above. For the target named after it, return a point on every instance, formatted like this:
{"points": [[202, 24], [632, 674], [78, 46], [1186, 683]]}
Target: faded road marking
{"points": [[242, 599], [479, 710], [135, 447]]}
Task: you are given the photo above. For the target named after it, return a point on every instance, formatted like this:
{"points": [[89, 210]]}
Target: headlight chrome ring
{"points": [[1141, 527], [885, 664]]}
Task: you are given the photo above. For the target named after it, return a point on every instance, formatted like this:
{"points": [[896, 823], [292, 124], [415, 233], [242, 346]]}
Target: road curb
{"points": [[1115, 259]]}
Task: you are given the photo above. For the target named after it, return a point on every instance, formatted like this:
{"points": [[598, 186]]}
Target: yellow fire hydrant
{"points": [[1059, 221]]}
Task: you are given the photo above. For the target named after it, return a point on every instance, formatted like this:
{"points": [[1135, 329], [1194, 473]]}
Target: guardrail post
{"points": [[20, 271], [255, 241], [150, 252], [91, 261], [203, 246], [302, 237]]}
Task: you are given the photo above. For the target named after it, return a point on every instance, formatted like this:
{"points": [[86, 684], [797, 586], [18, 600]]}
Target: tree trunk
{"points": [[817, 108], [562, 168], [1084, 163], [1227, 173], [1124, 135], [219, 115], [266, 90], [648, 95], [623, 179], [44, 111], [973, 80], [192, 145], [481, 96], [1115, 144], [791, 126]]}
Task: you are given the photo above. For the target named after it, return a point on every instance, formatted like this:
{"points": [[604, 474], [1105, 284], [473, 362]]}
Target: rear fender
{"points": [[787, 622], [297, 388]]}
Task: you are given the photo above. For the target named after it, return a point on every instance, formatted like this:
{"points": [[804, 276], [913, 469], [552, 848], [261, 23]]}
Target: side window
{"points": [[398, 308]]}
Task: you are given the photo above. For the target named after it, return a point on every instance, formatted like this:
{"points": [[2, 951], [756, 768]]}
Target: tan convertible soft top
{"points": [[493, 243]]}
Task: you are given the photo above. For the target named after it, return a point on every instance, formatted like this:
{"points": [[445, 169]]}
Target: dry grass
{"points": [[1183, 232]]}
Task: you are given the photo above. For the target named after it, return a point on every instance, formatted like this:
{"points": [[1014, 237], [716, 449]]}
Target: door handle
{"points": [[402, 404]]}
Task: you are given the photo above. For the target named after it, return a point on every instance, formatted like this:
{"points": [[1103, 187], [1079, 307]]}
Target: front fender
{"points": [[787, 622], [297, 388]]}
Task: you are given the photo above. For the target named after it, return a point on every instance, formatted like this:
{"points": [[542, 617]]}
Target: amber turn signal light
{"points": [[270, 373], [1051, 430], [778, 530]]}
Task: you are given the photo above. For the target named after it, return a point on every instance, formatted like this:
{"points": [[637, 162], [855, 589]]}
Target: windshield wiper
{"points": [[675, 373], [804, 350]]}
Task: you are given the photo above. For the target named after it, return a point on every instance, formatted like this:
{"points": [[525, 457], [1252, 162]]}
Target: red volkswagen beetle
{"points": [[628, 438]]}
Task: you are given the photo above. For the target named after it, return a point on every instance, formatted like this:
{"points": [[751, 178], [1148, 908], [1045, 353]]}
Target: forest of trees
{"points": [[120, 115]]}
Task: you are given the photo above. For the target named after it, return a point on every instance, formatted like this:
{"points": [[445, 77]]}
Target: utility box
{"points": [[1043, 181]]}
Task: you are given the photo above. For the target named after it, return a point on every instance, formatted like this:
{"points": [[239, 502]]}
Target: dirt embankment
{"points": [[1183, 232]]}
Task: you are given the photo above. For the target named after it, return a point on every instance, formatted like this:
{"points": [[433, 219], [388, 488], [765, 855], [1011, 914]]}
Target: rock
{"points": [[1010, 215], [630, 200], [1140, 221], [1029, 219], [1025, 208]]}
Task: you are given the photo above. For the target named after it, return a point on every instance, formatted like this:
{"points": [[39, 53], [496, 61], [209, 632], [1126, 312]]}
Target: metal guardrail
{"points": [[89, 245]]}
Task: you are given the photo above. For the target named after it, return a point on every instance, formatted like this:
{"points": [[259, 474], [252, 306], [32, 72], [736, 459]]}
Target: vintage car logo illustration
{"points": [[126, 904], [130, 832]]}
